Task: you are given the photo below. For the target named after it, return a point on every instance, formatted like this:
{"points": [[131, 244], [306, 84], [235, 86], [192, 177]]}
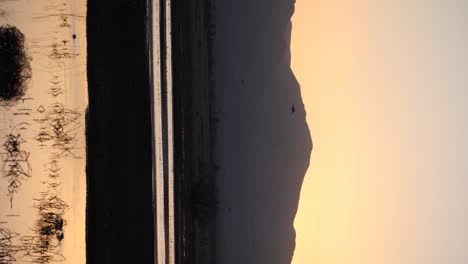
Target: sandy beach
{"points": [[42, 135]]}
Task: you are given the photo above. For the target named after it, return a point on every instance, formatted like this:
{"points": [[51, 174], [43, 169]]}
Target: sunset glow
{"points": [[382, 83]]}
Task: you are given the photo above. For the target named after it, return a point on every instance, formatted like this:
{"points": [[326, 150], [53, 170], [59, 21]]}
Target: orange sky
{"points": [[383, 84]]}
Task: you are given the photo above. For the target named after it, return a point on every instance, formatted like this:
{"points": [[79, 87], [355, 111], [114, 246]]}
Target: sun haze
{"points": [[384, 87]]}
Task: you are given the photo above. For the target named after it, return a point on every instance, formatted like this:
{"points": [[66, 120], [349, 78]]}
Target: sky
{"points": [[383, 83]]}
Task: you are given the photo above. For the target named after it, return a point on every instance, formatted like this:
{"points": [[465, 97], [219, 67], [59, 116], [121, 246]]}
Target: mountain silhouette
{"points": [[262, 150]]}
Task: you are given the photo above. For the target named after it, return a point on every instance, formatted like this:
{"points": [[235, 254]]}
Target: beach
{"points": [[120, 222], [42, 132]]}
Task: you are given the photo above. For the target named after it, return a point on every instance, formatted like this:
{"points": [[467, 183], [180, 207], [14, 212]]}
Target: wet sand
{"points": [[120, 226]]}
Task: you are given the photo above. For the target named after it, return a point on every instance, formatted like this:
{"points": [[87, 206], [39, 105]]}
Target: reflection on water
{"points": [[42, 103]]}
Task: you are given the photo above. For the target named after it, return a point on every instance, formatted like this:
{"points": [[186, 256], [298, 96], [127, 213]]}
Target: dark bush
{"points": [[15, 67]]}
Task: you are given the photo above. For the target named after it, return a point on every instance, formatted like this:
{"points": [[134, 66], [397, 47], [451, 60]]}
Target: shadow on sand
{"points": [[263, 143]]}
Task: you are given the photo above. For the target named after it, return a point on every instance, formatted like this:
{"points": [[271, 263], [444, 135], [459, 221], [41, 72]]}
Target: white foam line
{"points": [[170, 139], [162, 226], [158, 135]]}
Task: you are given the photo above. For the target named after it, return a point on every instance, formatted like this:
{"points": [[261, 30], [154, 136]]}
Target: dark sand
{"points": [[119, 206]]}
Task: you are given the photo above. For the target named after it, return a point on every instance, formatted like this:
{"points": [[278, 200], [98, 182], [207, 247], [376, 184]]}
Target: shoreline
{"points": [[120, 198]]}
